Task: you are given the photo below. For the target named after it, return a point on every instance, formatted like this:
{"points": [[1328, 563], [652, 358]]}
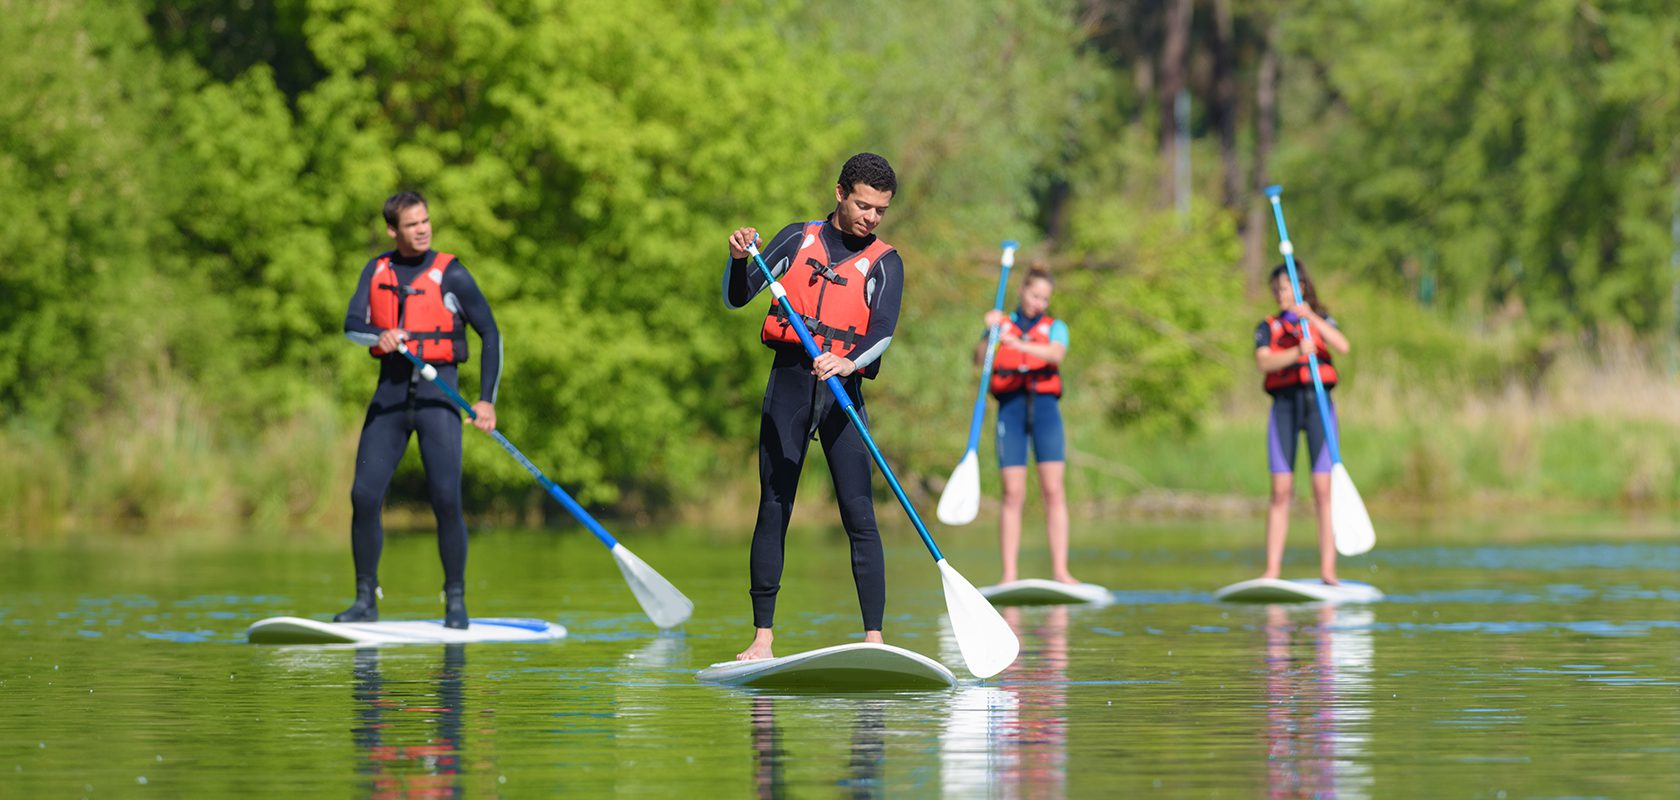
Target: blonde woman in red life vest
{"points": [[1281, 354], [1027, 382]]}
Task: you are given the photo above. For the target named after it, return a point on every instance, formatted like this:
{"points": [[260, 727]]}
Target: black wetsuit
{"points": [[405, 403], [796, 405]]}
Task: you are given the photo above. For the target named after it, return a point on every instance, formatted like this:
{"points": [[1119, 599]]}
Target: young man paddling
{"points": [[418, 296], [847, 284]]}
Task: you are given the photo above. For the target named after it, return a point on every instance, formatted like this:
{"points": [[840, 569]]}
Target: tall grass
{"points": [[156, 458], [1433, 419], [1601, 430]]}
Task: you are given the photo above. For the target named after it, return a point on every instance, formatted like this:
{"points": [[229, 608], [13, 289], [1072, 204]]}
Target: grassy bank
{"points": [[1434, 419]]}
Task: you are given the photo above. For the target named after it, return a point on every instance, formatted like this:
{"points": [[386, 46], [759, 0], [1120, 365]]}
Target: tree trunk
{"points": [[1224, 107], [1256, 236], [1175, 51]]}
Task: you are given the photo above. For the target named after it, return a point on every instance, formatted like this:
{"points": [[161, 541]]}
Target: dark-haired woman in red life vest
{"points": [[1027, 382], [1281, 353]]}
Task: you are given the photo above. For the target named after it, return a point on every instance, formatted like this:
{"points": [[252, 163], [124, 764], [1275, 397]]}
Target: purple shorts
{"points": [[1295, 411]]}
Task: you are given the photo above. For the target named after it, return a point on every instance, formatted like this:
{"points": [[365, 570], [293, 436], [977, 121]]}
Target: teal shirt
{"points": [[1058, 329]]}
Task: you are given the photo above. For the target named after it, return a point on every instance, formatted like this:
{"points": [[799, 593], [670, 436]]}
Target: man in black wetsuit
{"points": [[416, 296], [847, 284]]}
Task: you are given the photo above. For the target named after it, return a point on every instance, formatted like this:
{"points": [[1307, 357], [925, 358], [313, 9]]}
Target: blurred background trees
{"points": [[191, 186]]}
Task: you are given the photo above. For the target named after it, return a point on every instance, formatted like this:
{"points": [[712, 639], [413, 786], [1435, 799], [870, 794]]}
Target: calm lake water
{"points": [[1509, 661]]}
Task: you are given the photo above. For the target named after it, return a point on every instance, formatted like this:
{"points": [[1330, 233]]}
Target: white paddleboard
{"points": [[1042, 592], [861, 666], [297, 630], [1299, 590]]}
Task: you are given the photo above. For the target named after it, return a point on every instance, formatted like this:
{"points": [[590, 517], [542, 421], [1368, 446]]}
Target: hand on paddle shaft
{"points": [[829, 365], [482, 413]]}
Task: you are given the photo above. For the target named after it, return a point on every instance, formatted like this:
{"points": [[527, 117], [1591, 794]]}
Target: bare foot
{"points": [[760, 647], [1330, 580], [1269, 575], [1008, 577], [1068, 579], [873, 637]]}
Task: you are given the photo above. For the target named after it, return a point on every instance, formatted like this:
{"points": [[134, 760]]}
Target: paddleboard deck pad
{"points": [[1299, 590], [297, 630], [861, 666], [1040, 592]]}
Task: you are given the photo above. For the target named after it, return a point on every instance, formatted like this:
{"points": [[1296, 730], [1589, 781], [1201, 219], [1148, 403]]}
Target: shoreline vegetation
{"points": [[191, 186], [1596, 430]]}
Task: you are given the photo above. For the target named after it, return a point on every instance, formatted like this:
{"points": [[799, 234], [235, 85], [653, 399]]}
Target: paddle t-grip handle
{"points": [[429, 372]]}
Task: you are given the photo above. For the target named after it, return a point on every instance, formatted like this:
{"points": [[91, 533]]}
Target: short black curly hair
{"points": [[870, 170]]}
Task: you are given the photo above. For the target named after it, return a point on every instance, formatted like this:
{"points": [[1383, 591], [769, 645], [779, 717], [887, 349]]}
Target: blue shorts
{"points": [[1022, 414], [1294, 412]]}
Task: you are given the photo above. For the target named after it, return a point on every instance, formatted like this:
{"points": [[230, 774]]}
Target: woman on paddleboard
{"points": [[846, 283], [1281, 353], [1027, 382]]}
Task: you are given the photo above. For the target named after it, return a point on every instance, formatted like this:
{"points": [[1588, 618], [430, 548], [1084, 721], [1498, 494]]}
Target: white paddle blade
{"points": [[960, 503], [1348, 519], [666, 606], [987, 643]]}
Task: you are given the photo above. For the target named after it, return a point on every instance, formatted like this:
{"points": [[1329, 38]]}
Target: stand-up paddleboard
{"points": [[862, 666], [1041, 592], [1299, 590], [297, 630]]}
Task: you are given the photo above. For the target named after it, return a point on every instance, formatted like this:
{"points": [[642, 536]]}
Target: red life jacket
{"points": [[829, 296], [1014, 370], [435, 333], [1286, 336]]}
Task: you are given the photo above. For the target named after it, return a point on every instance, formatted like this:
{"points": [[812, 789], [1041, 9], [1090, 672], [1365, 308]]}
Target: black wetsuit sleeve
{"points": [[475, 309], [356, 326], [883, 313], [1262, 335], [742, 280]]}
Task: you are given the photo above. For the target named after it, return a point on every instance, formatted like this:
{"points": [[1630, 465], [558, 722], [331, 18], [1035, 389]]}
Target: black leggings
{"points": [[398, 410], [792, 399]]}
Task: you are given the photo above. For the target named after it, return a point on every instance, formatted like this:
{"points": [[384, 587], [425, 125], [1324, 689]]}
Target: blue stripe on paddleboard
{"points": [[522, 624]]}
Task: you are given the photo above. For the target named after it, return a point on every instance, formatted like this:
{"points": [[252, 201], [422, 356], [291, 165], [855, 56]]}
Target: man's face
{"points": [[413, 232], [860, 211]]}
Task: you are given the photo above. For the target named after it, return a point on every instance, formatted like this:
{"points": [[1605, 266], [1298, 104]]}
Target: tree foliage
{"points": [[192, 186]]}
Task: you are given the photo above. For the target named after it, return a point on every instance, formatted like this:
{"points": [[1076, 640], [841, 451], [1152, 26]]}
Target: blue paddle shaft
{"points": [[979, 419], [845, 402], [554, 490], [1288, 249]]}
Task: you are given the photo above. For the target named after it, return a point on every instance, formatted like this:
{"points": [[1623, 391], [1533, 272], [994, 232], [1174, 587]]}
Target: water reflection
{"points": [[1318, 703], [408, 741], [866, 750], [1010, 740]]}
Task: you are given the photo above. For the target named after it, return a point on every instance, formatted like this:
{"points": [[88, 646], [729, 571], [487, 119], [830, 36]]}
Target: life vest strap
{"points": [[825, 272], [828, 332]]}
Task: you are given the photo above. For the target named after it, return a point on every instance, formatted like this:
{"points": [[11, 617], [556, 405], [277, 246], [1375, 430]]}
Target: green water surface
{"points": [[1508, 661]]}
